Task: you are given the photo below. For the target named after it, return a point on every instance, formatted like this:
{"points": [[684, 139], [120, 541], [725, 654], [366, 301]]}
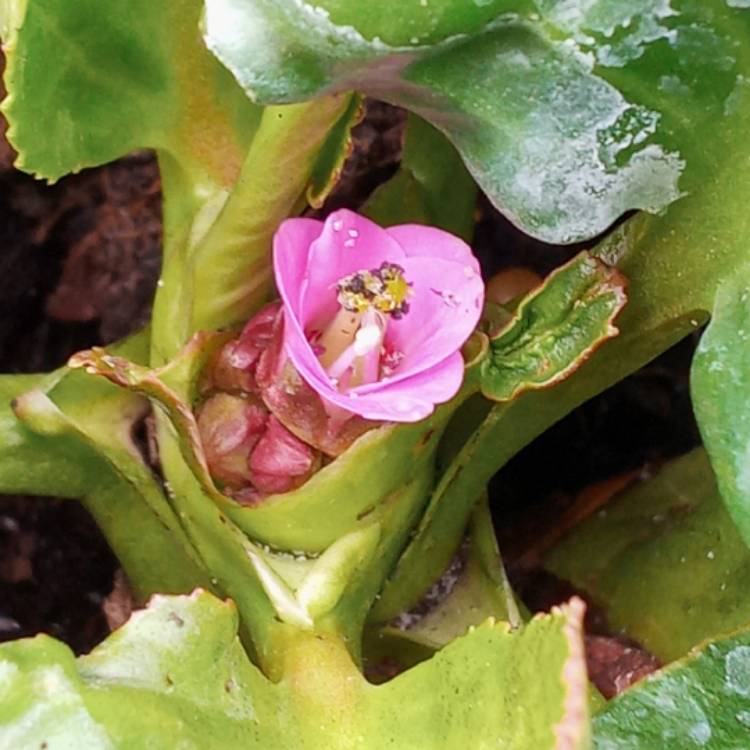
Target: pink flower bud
{"points": [[230, 426]]}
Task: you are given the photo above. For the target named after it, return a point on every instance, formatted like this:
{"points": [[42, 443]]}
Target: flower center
{"points": [[351, 347], [385, 289]]}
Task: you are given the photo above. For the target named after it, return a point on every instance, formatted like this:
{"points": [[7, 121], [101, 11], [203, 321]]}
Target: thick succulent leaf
{"points": [[554, 329], [664, 560], [720, 386], [702, 701], [431, 185], [567, 114], [61, 435], [532, 692], [176, 675], [93, 74]]}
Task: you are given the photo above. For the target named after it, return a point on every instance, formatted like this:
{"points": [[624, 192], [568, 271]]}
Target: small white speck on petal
{"points": [[338, 225], [353, 233], [349, 243]]}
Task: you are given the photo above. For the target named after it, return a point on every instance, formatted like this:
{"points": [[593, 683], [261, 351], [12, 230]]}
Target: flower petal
{"points": [[419, 240], [348, 243], [291, 247], [444, 310], [408, 400]]}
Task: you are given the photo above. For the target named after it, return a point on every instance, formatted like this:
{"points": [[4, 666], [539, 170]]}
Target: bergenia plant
{"points": [[329, 397]]}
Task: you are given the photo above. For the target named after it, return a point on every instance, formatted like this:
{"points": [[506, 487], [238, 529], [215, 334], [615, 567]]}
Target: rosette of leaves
{"points": [[567, 115]]}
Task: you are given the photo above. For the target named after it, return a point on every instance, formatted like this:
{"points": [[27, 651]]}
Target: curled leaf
{"points": [[554, 329]]}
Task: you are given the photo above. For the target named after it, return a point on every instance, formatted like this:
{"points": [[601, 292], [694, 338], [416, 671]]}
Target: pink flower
{"points": [[374, 319]]}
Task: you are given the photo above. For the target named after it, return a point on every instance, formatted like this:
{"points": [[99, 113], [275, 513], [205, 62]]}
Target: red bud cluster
{"points": [[264, 430]]}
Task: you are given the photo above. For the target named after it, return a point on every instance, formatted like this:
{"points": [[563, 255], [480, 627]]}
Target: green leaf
{"points": [[496, 688], [176, 675], [554, 329], [720, 386], [113, 88], [63, 435], [334, 152], [702, 701], [431, 185], [664, 560], [566, 115]]}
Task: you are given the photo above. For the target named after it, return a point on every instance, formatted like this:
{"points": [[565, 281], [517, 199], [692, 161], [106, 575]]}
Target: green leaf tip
{"points": [[554, 329]]}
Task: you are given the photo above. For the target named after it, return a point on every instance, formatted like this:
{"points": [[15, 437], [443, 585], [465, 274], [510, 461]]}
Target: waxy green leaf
{"points": [[554, 329], [702, 701], [176, 674], [720, 387], [62, 435], [663, 559], [566, 114], [95, 75]]}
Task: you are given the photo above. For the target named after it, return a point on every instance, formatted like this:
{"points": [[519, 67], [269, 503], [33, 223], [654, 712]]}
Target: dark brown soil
{"points": [[79, 265]]}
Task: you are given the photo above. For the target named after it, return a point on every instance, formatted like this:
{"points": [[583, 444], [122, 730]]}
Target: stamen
{"points": [[385, 288], [351, 346]]}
